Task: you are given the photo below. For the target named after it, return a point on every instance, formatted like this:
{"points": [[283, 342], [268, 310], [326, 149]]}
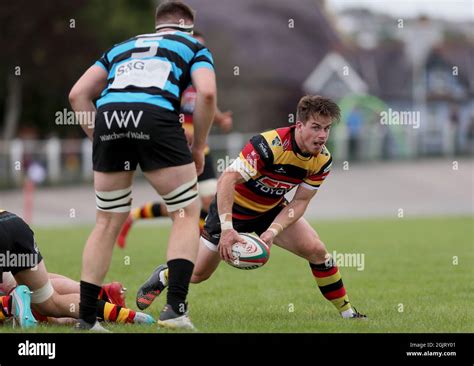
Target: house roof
{"points": [[334, 65], [385, 69], [460, 54], [257, 37]]}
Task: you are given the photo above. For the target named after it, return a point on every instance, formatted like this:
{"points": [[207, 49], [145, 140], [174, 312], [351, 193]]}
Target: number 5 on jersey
{"points": [[141, 72]]}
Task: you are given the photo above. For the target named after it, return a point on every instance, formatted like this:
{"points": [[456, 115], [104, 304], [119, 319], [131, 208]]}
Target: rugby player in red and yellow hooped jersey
{"points": [[250, 198], [273, 164]]}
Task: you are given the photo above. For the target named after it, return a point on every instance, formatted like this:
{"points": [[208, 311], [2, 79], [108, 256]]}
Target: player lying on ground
{"points": [[113, 293], [250, 198], [207, 181], [56, 297]]}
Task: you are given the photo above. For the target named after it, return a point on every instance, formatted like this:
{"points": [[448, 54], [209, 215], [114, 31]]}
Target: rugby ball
{"points": [[251, 255]]}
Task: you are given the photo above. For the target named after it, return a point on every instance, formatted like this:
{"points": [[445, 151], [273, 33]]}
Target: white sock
{"points": [[347, 313]]}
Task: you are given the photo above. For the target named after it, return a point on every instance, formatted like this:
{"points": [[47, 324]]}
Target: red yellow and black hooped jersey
{"points": [[272, 164], [188, 103]]}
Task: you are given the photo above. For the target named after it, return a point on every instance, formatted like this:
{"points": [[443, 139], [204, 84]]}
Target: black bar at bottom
{"points": [[340, 349]]}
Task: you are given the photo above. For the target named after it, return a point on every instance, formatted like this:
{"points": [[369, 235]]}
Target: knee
{"points": [[111, 221], [190, 212], [200, 277], [103, 221], [315, 251]]}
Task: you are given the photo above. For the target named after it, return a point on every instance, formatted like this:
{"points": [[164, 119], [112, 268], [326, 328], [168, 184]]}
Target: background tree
{"points": [[48, 45]]}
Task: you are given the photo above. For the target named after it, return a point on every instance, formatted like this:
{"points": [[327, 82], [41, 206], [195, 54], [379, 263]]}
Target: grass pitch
{"points": [[417, 277]]}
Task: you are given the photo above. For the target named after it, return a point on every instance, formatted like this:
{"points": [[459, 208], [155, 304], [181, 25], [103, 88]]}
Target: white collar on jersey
{"points": [[180, 27]]}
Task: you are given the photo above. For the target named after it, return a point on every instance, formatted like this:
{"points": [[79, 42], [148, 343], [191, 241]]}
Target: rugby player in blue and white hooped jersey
{"points": [[139, 84]]}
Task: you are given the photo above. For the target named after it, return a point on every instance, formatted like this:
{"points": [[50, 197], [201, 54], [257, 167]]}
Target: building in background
{"points": [[267, 54]]}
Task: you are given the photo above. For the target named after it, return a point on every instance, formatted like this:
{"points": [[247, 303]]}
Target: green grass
{"points": [[407, 261]]}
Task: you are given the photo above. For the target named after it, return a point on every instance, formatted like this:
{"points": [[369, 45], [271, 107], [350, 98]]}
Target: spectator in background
{"points": [[454, 127], [470, 135], [354, 125]]}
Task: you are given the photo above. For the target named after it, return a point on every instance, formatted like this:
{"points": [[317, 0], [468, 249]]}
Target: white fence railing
{"points": [[69, 161]]}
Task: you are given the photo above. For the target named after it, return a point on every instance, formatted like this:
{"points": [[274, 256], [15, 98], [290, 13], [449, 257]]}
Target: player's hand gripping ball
{"points": [[251, 255]]}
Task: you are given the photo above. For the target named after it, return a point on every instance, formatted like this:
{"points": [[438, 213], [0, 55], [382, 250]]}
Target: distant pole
{"points": [[28, 198], [35, 174]]}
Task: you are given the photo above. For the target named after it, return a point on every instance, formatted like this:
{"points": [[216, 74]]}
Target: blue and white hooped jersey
{"points": [[152, 69]]}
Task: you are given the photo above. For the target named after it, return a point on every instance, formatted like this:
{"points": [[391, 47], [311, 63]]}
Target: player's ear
{"points": [[299, 124]]}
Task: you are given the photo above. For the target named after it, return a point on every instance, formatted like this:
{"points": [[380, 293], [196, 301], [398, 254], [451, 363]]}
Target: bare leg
{"points": [[64, 285], [57, 305], [183, 241], [184, 207], [206, 263], [302, 240], [98, 250]]}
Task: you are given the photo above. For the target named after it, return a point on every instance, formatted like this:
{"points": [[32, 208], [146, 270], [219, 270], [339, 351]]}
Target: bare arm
{"points": [[290, 214], [226, 188], [225, 200], [204, 81], [82, 95], [223, 120]]}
